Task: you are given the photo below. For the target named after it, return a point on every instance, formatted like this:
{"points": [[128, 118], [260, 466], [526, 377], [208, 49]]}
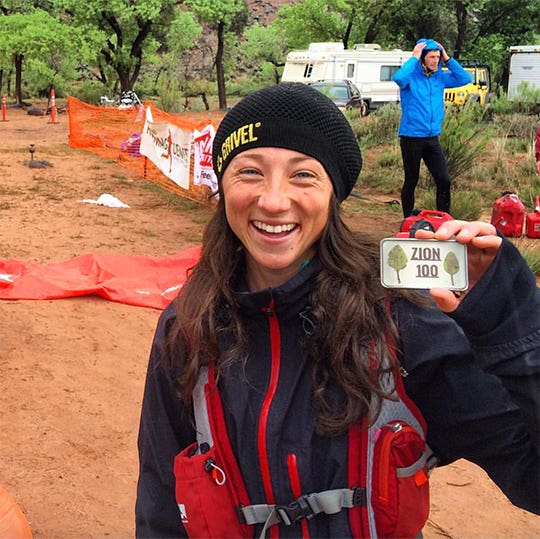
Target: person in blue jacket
{"points": [[422, 80], [296, 428]]}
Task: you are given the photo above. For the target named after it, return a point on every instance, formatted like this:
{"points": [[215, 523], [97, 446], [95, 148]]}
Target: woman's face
{"points": [[277, 203]]}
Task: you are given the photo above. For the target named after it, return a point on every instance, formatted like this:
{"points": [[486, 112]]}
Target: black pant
{"points": [[413, 150]]}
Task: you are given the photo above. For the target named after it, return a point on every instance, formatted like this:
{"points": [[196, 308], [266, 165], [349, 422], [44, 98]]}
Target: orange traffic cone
{"points": [[4, 107], [53, 107], [13, 523]]}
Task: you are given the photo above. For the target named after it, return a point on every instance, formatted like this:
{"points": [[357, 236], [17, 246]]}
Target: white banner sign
{"points": [[203, 173], [168, 147]]}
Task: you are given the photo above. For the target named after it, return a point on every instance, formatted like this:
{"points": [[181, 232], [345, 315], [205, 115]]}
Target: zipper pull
{"points": [[217, 473]]}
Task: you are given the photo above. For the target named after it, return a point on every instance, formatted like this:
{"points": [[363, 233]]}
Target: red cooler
{"points": [[532, 221], [508, 214]]}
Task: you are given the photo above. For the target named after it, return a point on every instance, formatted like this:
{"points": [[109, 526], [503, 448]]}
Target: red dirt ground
{"points": [[73, 369]]}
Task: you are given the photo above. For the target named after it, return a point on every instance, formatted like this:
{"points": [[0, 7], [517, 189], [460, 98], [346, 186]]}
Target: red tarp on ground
{"points": [[132, 279]]}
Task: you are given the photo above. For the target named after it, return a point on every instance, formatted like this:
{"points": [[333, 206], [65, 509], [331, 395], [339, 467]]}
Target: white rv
{"points": [[524, 66], [366, 65]]}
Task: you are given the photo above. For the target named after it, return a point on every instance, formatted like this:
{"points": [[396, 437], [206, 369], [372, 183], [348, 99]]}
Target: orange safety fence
{"points": [[113, 134]]}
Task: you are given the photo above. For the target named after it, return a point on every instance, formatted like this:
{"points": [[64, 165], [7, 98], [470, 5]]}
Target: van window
{"points": [[350, 71], [387, 72], [308, 70]]}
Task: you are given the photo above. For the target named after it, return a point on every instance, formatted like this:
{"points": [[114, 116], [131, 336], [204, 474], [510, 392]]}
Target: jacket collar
{"points": [[288, 298]]}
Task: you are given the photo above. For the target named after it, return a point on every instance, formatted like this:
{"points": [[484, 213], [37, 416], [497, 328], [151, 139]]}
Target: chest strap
{"points": [[328, 502]]}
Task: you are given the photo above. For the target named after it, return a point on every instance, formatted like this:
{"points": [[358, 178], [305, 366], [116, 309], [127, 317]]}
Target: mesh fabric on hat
{"points": [[296, 117]]}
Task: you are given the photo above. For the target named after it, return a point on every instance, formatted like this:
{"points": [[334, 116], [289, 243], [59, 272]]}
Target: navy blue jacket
{"points": [[422, 96], [475, 377]]}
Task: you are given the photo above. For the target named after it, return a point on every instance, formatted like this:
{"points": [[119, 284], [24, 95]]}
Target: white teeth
{"points": [[278, 229]]}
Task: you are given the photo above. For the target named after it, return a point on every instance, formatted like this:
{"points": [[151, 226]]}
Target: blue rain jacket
{"points": [[422, 95]]}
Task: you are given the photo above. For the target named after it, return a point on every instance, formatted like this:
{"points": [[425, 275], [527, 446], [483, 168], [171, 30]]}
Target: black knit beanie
{"points": [[296, 117]]}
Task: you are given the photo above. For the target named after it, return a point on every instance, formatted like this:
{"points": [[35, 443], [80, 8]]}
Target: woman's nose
{"points": [[275, 197]]}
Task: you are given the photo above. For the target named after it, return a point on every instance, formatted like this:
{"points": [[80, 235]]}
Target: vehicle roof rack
{"points": [[473, 63]]}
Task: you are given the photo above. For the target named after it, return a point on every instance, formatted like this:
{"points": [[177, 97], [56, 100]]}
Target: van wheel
{"points": [[364, 109]]}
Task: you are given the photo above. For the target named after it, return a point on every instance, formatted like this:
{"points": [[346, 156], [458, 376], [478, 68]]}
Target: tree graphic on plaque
{"points": [[397, 260], [451, 265]]}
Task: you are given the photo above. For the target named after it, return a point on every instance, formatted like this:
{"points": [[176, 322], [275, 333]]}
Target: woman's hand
{"points": [[482, 246]]}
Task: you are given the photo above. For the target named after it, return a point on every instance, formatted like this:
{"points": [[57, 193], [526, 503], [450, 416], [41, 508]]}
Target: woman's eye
{"points": [[249, 172], [304, 174]]}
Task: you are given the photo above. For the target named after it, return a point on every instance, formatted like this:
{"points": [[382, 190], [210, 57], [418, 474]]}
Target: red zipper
{"points": [[275, 345], [387, 436]]}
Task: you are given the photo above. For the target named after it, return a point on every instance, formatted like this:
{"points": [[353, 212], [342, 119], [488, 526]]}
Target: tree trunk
{"points": [[461, 17], [18, 61], [348, 30], [220, 74], [205, 101], [124, 78]]}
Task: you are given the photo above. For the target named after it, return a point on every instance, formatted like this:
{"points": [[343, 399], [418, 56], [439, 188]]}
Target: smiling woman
{"points": [[277, 204], [288, 392]]}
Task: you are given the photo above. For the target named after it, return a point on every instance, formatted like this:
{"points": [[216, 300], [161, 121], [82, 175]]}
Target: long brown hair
{"points": [[349, 312]]}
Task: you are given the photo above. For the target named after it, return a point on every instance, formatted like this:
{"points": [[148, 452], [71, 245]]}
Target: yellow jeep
{"points": [[477, 90]]}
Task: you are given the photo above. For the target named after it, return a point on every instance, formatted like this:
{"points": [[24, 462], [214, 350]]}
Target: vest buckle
{"points": [[295, 511]]}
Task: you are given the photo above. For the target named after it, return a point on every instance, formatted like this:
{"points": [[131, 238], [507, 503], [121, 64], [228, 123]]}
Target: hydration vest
{"points": [[388, 469]]}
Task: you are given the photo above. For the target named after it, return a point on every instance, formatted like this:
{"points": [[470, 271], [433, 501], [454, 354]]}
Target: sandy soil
{"points": [[72, 370]]}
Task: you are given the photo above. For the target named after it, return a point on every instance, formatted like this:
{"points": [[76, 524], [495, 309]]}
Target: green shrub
{"points": [[529, 191], [381, 126], [244, 85], [516, 125], [526, 101], [463, 139], [170, 96], [90, 92], [530, 252], [467, 205]]}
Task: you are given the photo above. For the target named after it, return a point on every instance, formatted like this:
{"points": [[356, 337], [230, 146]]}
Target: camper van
{"points": [[524, 66], [366, 65]]}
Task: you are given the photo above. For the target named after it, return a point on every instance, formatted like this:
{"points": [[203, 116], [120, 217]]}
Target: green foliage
{"points": [[179, 96], [38, 79], [490, 50], [124, 32], [463, 138], [530, 252], [467, 204], [388, 159], [231, 13], [88, 91], [170, 95], [263, 51], [182, 33], [382, 126], [119, 41], [245, 85], [515, 125], [314, 20], [527, 99], [40, 42]]}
